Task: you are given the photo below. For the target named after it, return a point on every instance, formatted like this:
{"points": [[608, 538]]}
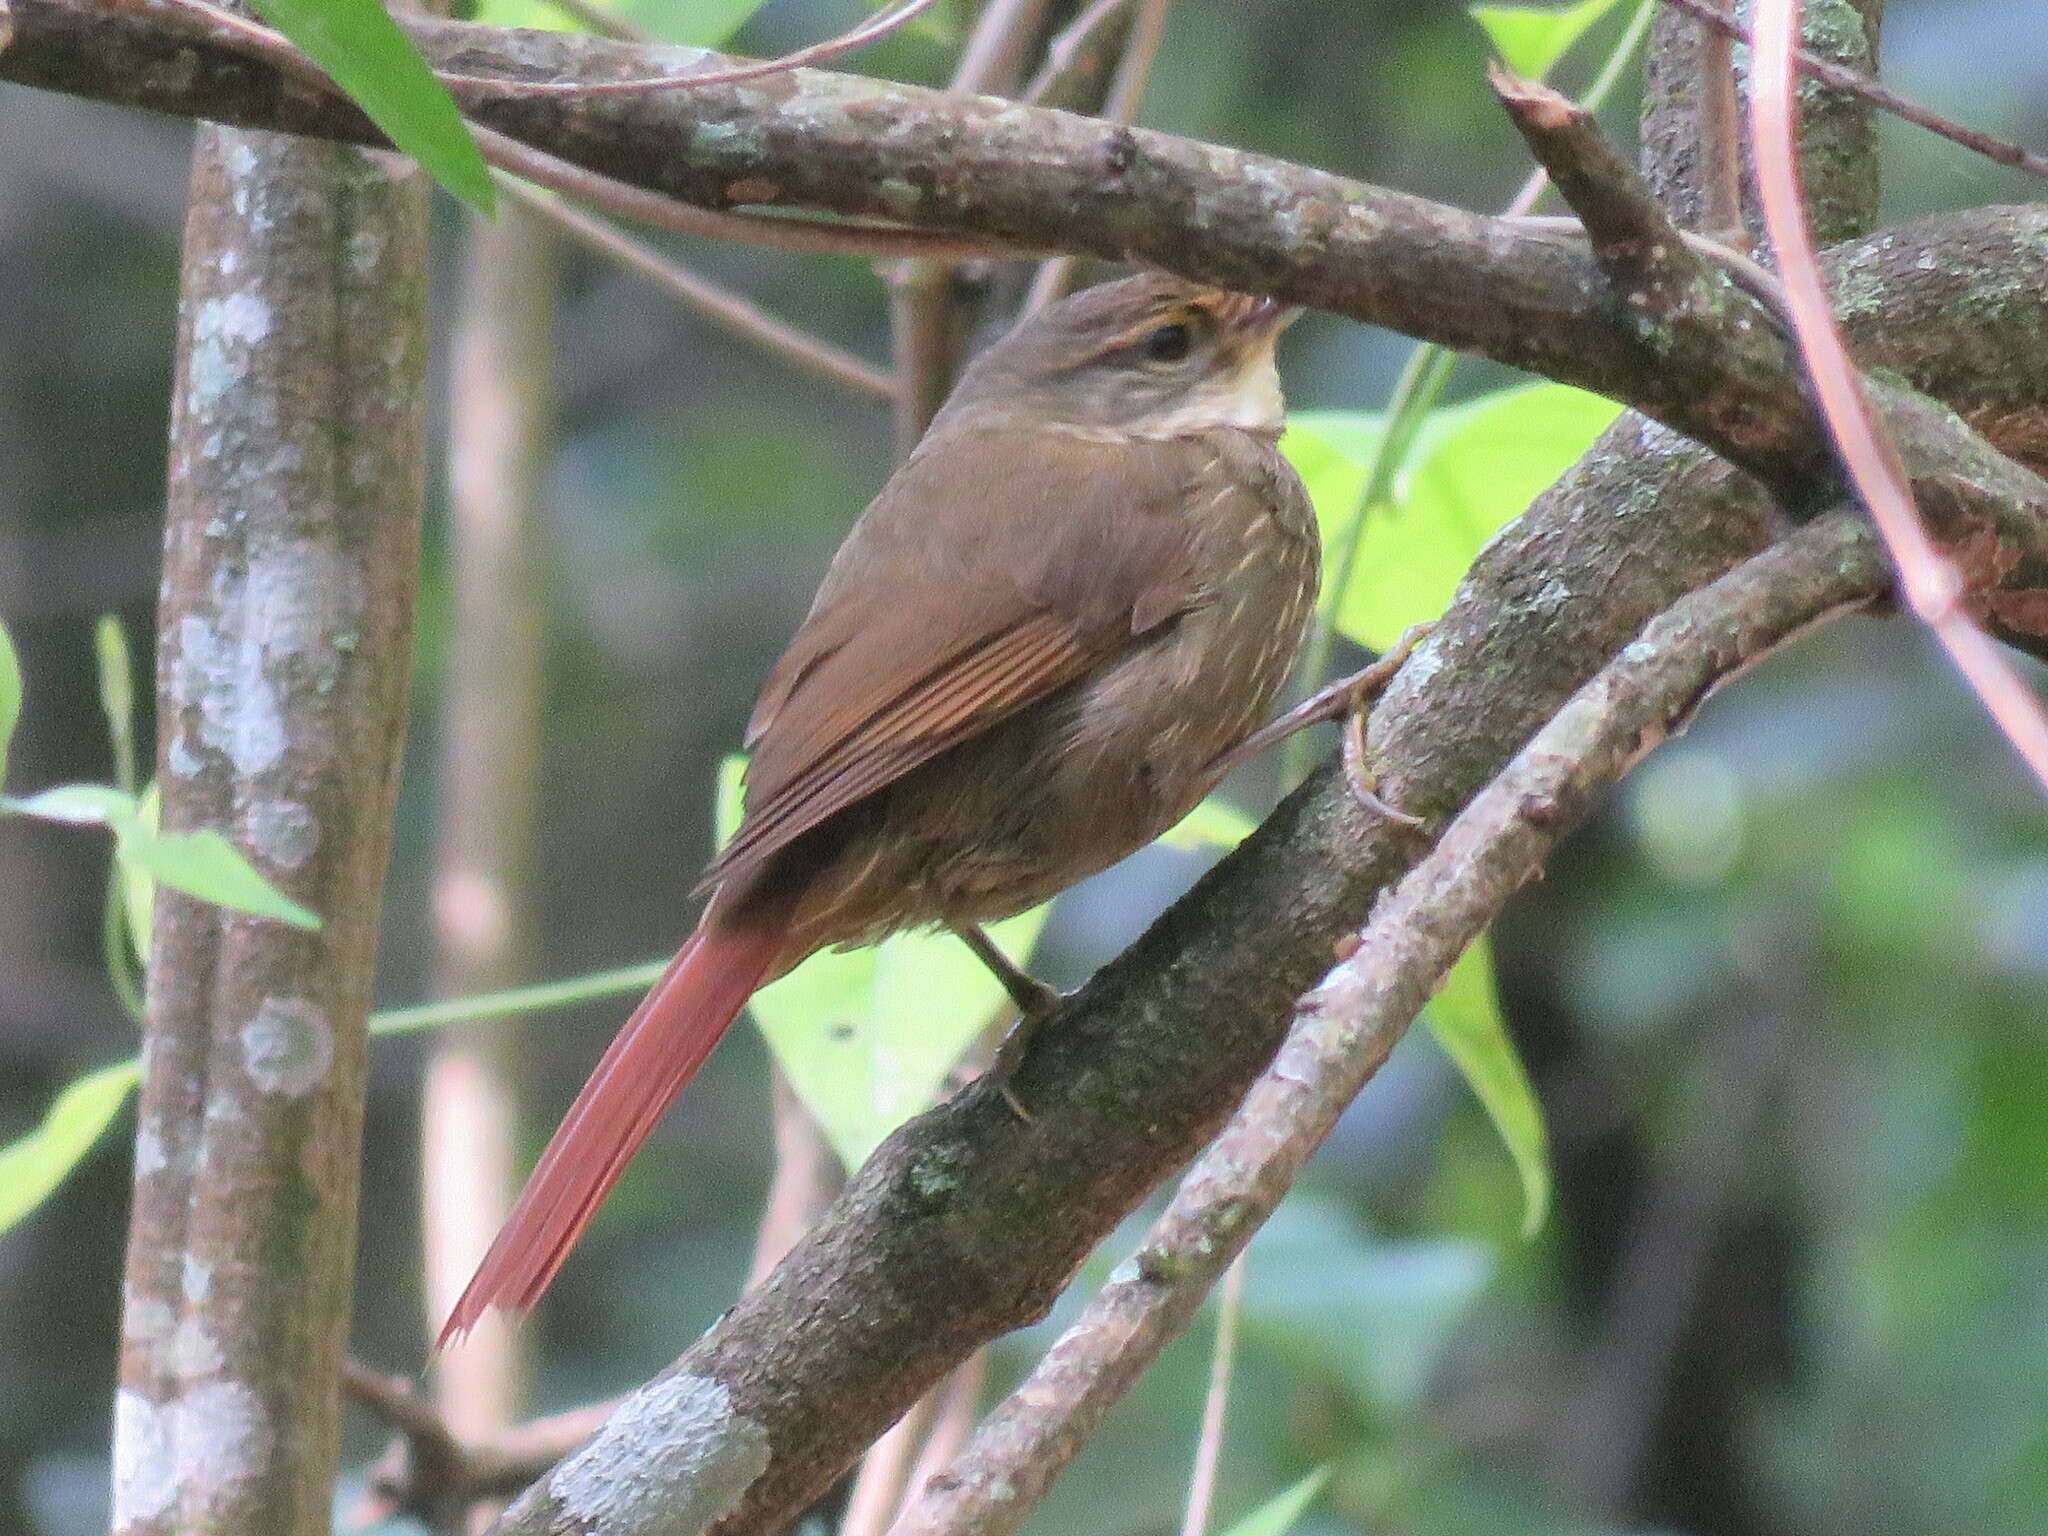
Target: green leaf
{"points": [[1277, 1515], [358, 43], [205, 864], [1531, 39], [10, 696], [32, 1167], [117, 696], [79, 805], [868, 1036], [1466, 1020], [1476, 466], [697, 23], [1215, 823]]}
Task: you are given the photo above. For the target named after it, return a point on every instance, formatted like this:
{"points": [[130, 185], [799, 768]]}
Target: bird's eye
{"points": [[1168, 343]]}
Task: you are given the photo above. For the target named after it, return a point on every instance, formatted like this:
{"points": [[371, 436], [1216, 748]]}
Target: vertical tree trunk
{"points": [[501, 439], [285, 646]]}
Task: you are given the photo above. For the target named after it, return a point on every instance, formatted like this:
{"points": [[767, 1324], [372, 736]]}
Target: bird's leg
{"points": [[1034, 1000], [1347, 699]]}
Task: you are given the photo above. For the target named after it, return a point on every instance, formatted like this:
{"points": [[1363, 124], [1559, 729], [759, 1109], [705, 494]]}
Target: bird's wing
{"points": [[1020, 570]]}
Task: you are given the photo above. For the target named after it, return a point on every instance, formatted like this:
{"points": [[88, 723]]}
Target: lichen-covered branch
{"points": [[816, 140], [284, 648]]}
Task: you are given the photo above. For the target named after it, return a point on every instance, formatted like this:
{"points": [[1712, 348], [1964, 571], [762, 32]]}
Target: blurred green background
{"points": [[1783, 1002]]}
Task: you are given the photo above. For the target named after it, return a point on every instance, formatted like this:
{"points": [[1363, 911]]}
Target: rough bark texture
{"points": [[835, 143], [285, 645]]}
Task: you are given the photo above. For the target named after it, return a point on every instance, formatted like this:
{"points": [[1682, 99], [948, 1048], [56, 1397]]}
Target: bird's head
{"points": [[1148, 356]]}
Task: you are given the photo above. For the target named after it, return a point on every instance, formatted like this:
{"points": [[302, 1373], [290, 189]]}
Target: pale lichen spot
{"points": [[673, 1461], [192, 1351], [366, 249], [145, 1470], [288, 1047], [223, 1437], [283, 831]]}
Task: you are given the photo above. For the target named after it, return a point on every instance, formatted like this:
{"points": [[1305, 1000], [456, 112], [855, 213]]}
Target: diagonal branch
{"points": [[1344, 1029]]}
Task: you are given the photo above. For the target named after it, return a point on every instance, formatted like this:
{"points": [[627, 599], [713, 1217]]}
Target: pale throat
{"points": [[1247, 399]]}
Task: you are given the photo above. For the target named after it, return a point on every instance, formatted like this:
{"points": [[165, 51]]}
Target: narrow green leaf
{"points": [[698, 23], [80, 805], [1531, 39], [205, 864], [32, 1167], [1277, 1515], [1466, 1020], [138, 886], [358, 43], [516, 1001], [729, 801], [117, 696], [10, 696], [1215, 823]]}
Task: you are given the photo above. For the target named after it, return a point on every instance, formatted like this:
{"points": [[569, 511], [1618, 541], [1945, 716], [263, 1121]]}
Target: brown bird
{"points": [[1038, 648]]}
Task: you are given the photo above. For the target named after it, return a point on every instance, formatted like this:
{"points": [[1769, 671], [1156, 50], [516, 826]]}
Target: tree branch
{"points": [[831, 143], [1345, 1028], [285, 623]]}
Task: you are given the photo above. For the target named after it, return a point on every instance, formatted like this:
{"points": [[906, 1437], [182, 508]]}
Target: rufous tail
{"points": [[657, 1051]]}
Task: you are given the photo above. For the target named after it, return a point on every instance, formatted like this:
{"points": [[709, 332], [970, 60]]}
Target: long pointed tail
{"points": [[657, 1051]]}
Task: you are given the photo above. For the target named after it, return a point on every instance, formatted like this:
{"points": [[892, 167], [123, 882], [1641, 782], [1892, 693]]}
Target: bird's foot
{"points": [[1034, 1000], [1346, 699]]}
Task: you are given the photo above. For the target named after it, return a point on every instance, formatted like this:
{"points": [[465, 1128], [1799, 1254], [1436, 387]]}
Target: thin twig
{"points": [[817, 238], [929, 306], [883, 1482], [1839, 77], [1721, 127], [732, 311], [1931, 585], [500, 450], [1081, 57], [430, 1472], [1346, 1027], [950, 1426], [1215, 1403], [1126, 91], [875, 26], [996, 48]]}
